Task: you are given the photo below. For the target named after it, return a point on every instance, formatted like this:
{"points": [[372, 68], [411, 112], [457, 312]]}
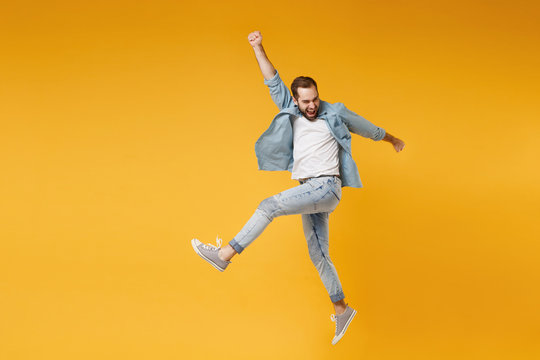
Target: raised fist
{"points": [[255, 38]]}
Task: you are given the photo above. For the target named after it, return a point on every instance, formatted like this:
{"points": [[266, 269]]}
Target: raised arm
{"points": [[267, 69], [278, 90]]}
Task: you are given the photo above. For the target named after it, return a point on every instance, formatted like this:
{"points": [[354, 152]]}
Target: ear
{"points": [[296, 102]]}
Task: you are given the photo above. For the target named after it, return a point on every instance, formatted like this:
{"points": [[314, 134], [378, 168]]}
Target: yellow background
{"points": [[128, 128]]}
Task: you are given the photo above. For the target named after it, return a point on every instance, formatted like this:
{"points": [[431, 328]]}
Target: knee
{"points": [[315, 255], [269, 207], [318, 252], [318, 259]]}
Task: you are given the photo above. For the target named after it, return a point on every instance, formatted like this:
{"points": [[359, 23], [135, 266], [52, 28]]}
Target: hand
{"points": [[255, 38], [398, 144]]}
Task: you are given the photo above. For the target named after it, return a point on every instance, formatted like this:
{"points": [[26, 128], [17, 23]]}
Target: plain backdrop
{"points": [[128, 128]]}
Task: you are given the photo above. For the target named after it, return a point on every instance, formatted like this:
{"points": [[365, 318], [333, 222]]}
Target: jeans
{"points": [[315, 199]]}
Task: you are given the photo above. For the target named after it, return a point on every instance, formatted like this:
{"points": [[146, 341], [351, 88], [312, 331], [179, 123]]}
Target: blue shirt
{"points": [[274, 148]]}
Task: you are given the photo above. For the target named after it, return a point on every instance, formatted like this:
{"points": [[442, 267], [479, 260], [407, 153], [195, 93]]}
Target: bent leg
{"points": [[316, 231], [264, 214], [313, 196]]}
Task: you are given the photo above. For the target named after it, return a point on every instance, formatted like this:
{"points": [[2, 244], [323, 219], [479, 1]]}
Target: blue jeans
{"points": [[315, 199]]}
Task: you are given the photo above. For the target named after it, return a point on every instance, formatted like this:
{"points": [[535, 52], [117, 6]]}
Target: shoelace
{"points": [[334, 319], [213, 247]]}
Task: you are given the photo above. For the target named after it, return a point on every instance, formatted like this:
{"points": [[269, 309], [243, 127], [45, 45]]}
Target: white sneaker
{"points": [[209, 253], [342, 323]]}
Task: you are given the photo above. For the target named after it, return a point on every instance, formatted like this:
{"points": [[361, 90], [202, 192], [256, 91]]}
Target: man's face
{"points": [[308, 102]]}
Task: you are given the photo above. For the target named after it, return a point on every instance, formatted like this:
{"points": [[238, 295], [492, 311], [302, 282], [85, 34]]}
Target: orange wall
{"points": [[128, 128]]}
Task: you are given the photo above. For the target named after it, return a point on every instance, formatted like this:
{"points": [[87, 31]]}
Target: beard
{"points": [[305, 113]]}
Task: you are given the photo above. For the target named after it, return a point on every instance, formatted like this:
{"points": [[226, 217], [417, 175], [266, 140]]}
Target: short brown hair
{"points": [[303, 82]]}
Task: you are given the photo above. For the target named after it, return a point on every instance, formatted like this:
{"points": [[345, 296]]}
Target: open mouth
{"points": [[311, 113]]}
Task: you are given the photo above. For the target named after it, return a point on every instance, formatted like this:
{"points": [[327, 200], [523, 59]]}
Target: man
{"points": [[310, 138]]}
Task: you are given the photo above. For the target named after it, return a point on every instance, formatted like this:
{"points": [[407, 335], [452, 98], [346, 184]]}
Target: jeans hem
{"points": [[237, 247], [337, 297]]}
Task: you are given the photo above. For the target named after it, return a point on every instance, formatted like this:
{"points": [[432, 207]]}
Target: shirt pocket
{"points": [[341, 131]]}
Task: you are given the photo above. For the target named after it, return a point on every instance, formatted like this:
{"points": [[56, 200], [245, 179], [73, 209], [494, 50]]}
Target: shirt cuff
{"points": [[381, 133], [273, 81]]}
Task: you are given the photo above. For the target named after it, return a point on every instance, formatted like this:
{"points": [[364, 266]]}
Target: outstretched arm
{"points": [[397, 143], [278, 90], [358, 125], [267, 69]]}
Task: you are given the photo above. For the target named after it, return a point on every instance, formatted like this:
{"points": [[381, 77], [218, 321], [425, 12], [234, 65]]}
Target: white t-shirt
{"points": [[315, 151]]}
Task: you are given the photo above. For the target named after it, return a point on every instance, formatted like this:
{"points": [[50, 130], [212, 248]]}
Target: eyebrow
{"points": [[315, 98]]}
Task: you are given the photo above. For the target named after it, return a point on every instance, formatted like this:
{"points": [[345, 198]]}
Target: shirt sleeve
{"points": [[279, 92], [358, 125]]}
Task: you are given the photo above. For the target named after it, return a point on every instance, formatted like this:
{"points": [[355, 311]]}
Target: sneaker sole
{"points": [[335, 341], [194, 245]]}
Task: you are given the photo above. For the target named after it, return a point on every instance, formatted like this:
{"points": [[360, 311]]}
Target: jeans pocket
{"points": [[336, 189], [315, 183], [337, 193]]}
